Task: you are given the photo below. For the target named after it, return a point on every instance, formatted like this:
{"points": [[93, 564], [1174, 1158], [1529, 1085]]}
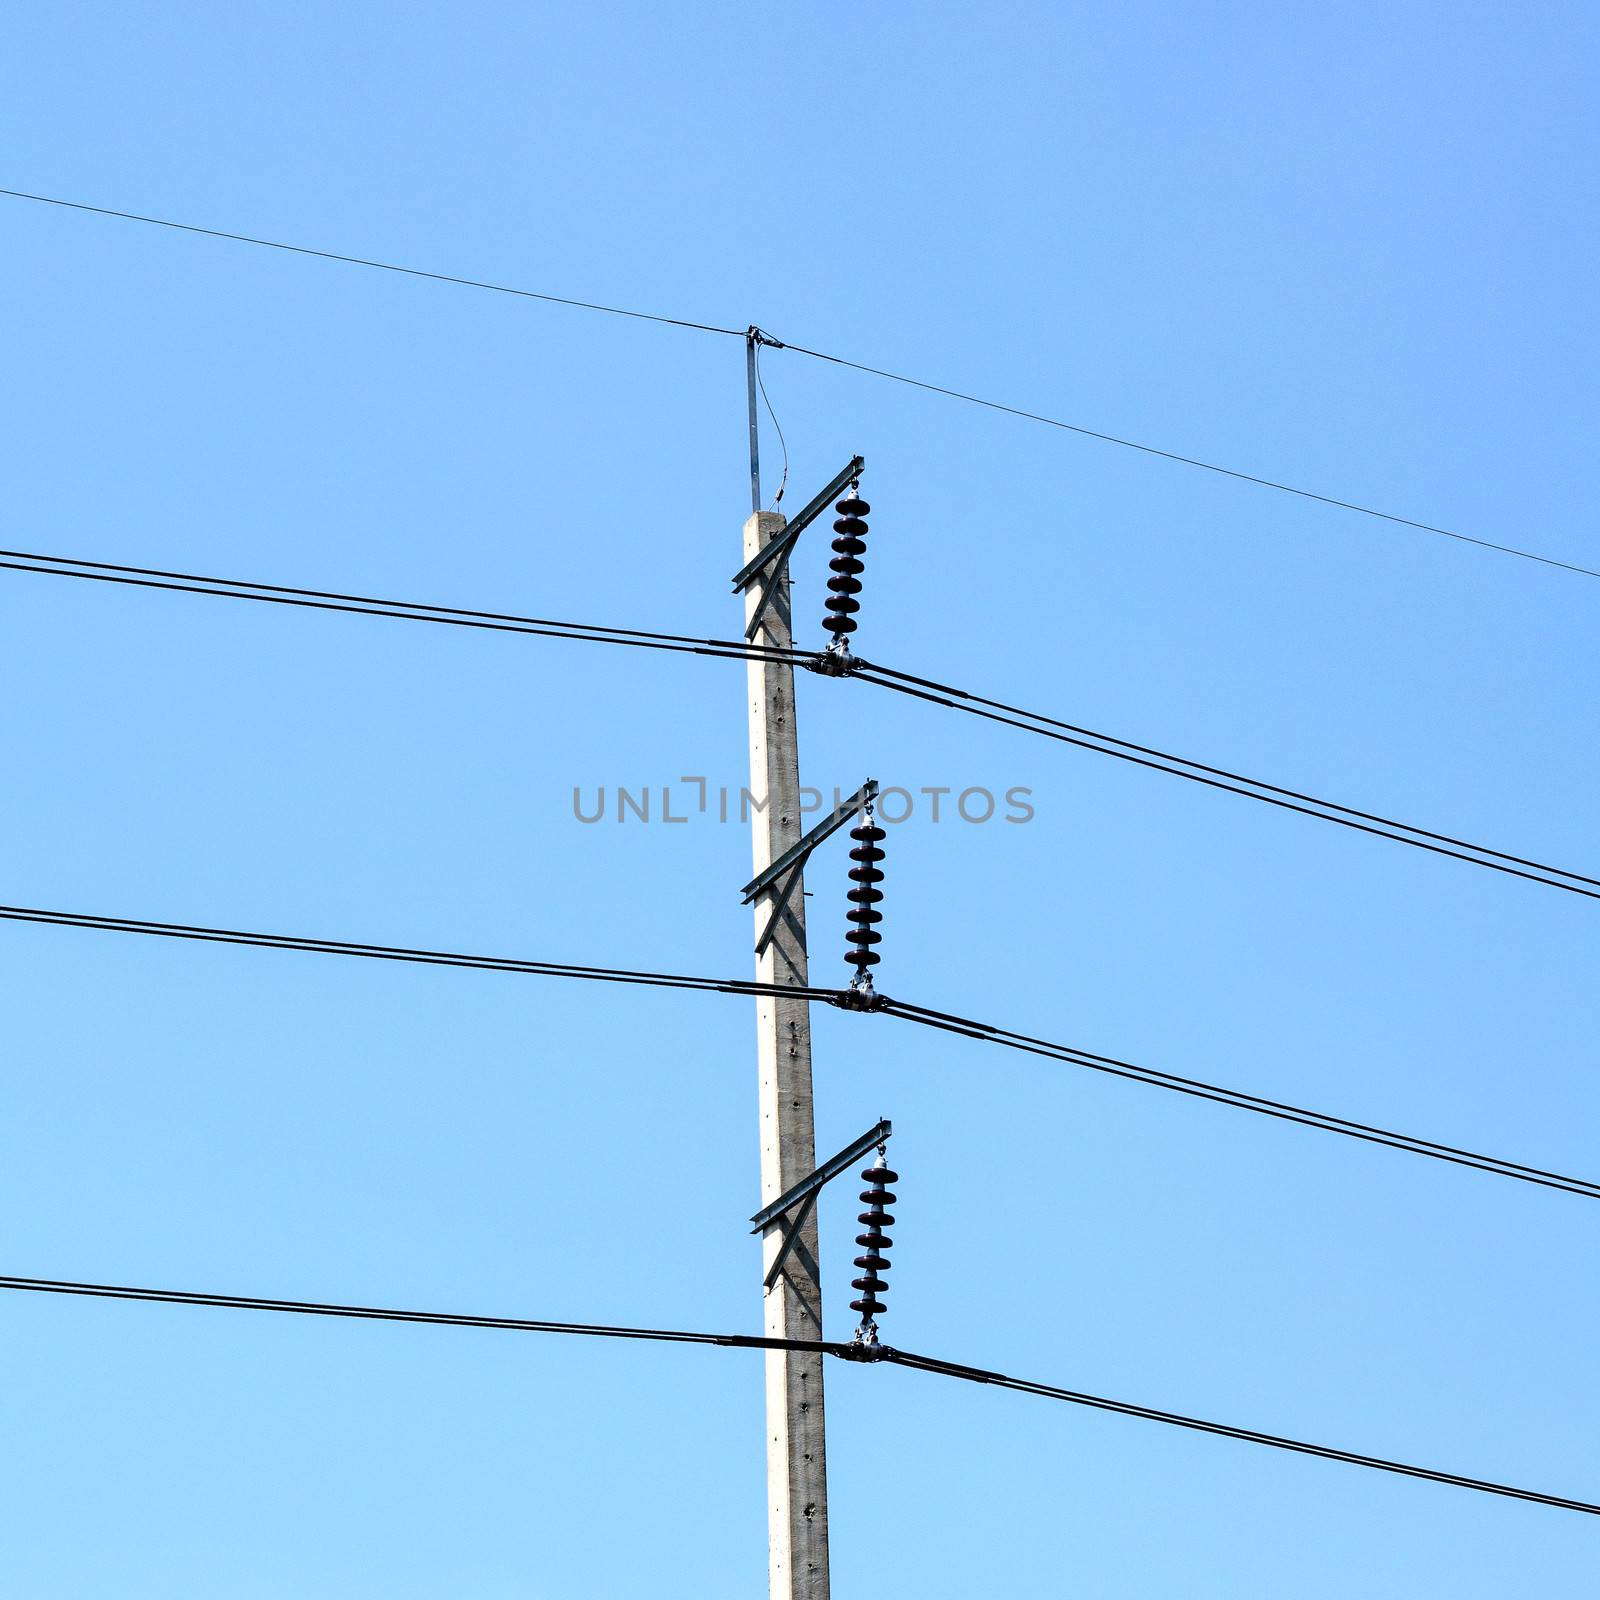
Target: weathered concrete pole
{"points": [[797, 1469]]}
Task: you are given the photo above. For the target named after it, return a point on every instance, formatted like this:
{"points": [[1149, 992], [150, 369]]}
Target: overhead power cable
{"points": [[448, 1319], [365, 605], [378, 952], [821, 355], [1125, 1408], [1444, 844], [925, 689], [941, 1020], [852, 1352], [1071, 1055]]}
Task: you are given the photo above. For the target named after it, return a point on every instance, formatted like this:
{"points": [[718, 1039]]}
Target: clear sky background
{"points": [[1352, 249]]}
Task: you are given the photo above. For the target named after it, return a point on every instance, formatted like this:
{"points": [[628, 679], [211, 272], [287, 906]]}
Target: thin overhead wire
{"points": [[902, 1358], [363, 261], [835, 360], [1198, 1089], [366, 605], [944, 1021], [1444, 844], [1125, 1408], [379, 952], [1194, 461], [761, 383]]}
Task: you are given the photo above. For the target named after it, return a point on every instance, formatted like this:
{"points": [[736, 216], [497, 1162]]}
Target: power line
{"points": [[152, 578], [944, 1021], [1125, 1408], [1444, 844], [378, 952], [366, 605], [381, 266], [822, 355], [1194, 461], [903, 1358], [926, 689], [1197, 1088], [448, 1319]]}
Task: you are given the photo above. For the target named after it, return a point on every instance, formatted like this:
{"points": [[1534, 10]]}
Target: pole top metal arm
{"points": [[830, 1169], [781, 546], [796, 854]]}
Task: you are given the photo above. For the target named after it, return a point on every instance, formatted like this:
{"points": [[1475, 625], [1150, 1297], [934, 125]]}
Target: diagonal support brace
{"points": [[792, 1227]]}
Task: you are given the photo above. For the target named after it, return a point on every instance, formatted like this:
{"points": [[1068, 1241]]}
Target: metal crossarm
{"points": [[768, 567], [796, 854], [831, 1168], [783, 876], [802, 1198]]}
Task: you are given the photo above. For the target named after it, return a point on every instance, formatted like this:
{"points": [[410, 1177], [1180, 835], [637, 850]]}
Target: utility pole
{"points": [[797, 1471]]}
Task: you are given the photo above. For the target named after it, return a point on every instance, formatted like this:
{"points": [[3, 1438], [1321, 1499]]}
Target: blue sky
{"points": [[1347, 249]]}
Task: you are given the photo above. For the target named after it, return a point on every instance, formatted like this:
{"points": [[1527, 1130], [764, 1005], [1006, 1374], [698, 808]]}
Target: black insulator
{"points": [[865, 876], [874, 1240], [849, 545]]}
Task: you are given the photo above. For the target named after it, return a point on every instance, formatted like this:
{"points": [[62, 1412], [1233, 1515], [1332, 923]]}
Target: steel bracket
{"points": [[804, 1196], [783, 876], [767, 570]]}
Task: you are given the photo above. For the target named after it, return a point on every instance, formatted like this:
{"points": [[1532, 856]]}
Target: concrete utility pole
{"points": [[797, 1470]]}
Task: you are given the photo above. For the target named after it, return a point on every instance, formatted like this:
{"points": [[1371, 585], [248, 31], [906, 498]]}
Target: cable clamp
{"points": [[866, 1347], [861, 996], [834, 662]]}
